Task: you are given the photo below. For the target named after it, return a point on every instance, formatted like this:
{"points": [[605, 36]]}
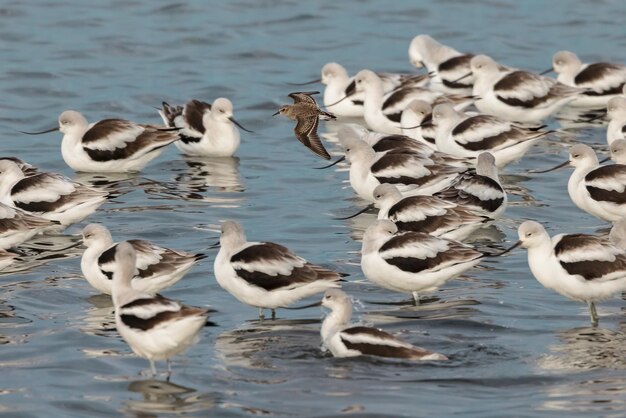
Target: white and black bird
{"points": [[49, 195], [412, 262], [156, 328], [339, 92], [479, 189], [600, 80], [412, 172], [345, 340], [468, 136], [517, 95], [266, 275], [597, 190], [206, 130], [428, 214], [582, 267], [157, 267], [109, 145], [384, 113], [445, 64]]}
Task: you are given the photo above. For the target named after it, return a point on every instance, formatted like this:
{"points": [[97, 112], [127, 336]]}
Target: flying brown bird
{"points": [[305, 110]]}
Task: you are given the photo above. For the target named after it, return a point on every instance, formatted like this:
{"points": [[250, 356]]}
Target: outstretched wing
{"points": [[304, 96]]}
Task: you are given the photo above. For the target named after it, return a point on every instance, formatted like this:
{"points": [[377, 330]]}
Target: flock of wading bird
{"points": [[429, 167]]}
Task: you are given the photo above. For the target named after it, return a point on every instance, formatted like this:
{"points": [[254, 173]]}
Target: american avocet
{"points": [[339, 92], [264, 274], [600, 80], [479, 189], [598, 190], [582, 267], [413, 173], [206, 130], [344, 340], [412, 262], [49, 195], [416, 122], [18, 226], [428, 214], [305, 111], [517, 95], [157, 267], [155, 328], [445, 64], [618, 151], [383, 113], [110, 145], [468, 136], [616, 112]]}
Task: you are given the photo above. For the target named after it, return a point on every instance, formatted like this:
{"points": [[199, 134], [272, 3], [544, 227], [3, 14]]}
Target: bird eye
{"points": [[347, 149], [559, 62], [529, 234], [378, 196], [575, 155]]}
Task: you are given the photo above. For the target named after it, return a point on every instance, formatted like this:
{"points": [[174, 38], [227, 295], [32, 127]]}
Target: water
{"points": [[516, 348]]}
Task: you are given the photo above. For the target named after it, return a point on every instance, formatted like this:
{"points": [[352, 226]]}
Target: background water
{"points": [[516, 348]]}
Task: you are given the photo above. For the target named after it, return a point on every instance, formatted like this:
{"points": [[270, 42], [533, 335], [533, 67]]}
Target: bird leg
{"points": [[153, 369], [169, 369], [261, 314], [593, 313], [273, 313], [416, 298]]}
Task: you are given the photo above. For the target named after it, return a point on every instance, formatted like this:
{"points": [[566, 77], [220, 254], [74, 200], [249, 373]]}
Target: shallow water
{"points": [[516, 348]]}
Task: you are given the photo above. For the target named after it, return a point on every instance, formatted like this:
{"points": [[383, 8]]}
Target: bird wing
{"points": [[590, 257], [306, 132], [271, 266], [304, 97]]}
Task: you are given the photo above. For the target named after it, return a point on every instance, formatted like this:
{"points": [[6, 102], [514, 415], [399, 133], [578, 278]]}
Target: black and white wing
{"points": [[153, 312], [118, 139], [376, 342], [417, 252], [271, 266], [607, 184], [601, 78], [481, 193], [590, 257]]}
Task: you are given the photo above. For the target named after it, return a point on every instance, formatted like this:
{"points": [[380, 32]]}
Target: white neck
{"points": [[337, 319]]}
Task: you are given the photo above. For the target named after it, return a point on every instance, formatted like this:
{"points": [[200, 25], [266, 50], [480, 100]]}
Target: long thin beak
{"points": [[431, 74], [56, 128], [338, 101], [317, 80], [276, 113], [605, 160], [365, 209], [214, 245], [416, 126], [508, 250], [462, 78], [330, 165], [295, 308], [549, 70], [239, 125], [551, 169]]}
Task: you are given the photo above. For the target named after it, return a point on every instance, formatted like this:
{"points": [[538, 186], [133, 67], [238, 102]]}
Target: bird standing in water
{"points": [[305, 111]]}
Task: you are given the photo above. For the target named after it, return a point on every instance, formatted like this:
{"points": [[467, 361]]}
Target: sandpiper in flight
{"points": [[305, 111]]}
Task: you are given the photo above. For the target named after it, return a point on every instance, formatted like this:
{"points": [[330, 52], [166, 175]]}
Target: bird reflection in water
{"points": [[167, 397], [203, 179], [587, 348], [596, 351]]}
